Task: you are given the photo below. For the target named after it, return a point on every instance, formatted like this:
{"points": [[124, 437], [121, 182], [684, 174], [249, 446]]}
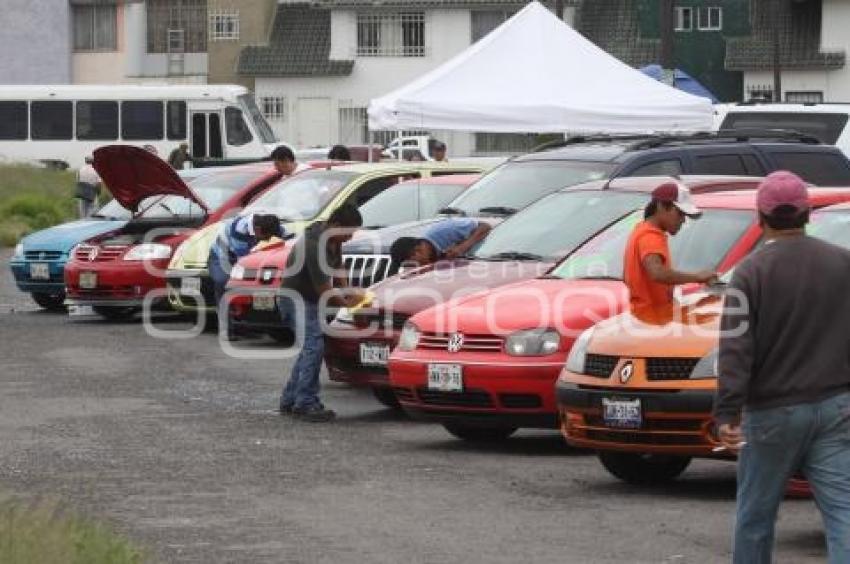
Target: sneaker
{"points": [[315, 414], [285, 410]]}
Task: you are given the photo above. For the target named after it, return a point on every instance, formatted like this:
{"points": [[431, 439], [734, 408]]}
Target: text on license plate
{"points": [[40, 271], [374, 355], [622, 413], [445, 377], [263, 301], [88, 280], [190, 286]]}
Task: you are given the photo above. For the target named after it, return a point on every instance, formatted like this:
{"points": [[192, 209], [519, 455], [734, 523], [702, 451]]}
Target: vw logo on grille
{"points": [[92, 254], [627, 371], [455, 342]]}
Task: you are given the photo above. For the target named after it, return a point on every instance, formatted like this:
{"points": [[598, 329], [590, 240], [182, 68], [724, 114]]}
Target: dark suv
{"points": [[527, 178]]}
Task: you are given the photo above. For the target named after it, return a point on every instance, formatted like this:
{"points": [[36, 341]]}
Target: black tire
{"points": [[115, 313], [479, 434], [50, 302], [644, 469], [387, 397]]}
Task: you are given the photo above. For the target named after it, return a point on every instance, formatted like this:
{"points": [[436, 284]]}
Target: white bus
{"points": [[61, 125]]}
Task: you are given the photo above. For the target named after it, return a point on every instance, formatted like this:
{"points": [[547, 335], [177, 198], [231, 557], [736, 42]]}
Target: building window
{"points": [[710, 19], [804, 97], [391, 35], [684, 19], [95, 27], [224, 25], [485, 21], [275, 108], [169, 19], [353, 126]]}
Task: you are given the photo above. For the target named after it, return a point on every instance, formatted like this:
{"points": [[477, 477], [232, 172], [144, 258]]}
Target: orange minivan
{"points": [[639, 389]]}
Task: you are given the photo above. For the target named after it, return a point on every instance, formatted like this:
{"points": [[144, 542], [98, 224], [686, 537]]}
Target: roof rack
{"points": [[742, 135], [576, 139]]}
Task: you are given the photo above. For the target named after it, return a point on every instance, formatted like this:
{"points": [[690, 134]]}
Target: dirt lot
{"points": [[177, 445]]}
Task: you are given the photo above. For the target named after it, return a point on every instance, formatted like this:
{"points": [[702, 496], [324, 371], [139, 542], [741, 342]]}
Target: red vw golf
{"points": [[486, 365], [114, 272]]}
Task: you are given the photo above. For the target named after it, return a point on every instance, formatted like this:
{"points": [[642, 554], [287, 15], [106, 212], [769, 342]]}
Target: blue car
{"points": [[38, 263]]}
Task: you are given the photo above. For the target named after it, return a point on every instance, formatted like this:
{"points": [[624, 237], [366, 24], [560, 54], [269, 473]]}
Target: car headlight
{"points": [[578, 354], [409, 339], [148, 251], [19, 250], [237, 272], [707, 366], [533, 342]]}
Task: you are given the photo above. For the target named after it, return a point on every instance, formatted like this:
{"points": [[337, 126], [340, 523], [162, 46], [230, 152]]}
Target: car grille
{"points": [[365, 270], [638, 438], [471, 343], [520, 401], [467, 398], [670, 368], [381, 320], [649, 424], [43, 255], [600, 365], [104, 254]]}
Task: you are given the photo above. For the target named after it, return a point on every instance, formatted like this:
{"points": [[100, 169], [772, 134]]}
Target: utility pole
{"points": [[778, 23], [666, 25]]}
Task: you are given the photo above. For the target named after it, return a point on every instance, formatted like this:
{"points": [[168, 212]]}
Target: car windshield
{"points": [[516, 184], [553, 227], [214, 189], [112, 210], [831, 226], [408, 201], [700, 245], [304, 195], [263, 127]]}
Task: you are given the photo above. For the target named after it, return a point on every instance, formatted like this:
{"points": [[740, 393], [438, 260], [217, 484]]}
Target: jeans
{"points": [[302, 389], [219, 277], [812, 438]]}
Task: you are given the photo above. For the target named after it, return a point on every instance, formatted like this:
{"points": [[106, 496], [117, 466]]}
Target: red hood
{"points": [[415, 291], [274, 255], [132, 174], [570, 306]]}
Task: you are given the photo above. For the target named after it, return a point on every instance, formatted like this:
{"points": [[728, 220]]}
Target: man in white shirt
{"points": [[88, 188], [285, 163]]}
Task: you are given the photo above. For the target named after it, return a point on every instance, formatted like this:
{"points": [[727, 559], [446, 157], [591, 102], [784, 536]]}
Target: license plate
{"points": [[88, 280], [190, 286], [445, 377], [40, 271], [263, 302], [374, 355], [625, 414]]}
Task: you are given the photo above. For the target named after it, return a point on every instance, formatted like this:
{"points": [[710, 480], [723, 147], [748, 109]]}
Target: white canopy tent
{"points": [[535, 74]]}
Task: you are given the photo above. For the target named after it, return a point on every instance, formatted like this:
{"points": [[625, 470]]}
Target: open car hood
{"points": [[132, 174]]}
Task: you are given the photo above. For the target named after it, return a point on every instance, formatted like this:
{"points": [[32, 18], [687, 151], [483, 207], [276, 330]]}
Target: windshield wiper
{"points": [[616, 278], [452, 211], [374, 227], [513, 255], [498, 210]]}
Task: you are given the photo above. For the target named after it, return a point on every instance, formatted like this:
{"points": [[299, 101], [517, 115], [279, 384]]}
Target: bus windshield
{"points": [[263, 127]]}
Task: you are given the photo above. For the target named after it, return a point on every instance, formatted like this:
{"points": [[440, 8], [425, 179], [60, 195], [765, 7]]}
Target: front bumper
{"points": [[673, 422], [342, 355], [499, 391], [54, 285], [187, 302], [119, 283]]}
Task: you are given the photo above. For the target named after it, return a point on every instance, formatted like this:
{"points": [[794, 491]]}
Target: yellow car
{"points": [[299, 201]]}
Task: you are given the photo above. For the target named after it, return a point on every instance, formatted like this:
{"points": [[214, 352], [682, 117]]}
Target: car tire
{"points": [[644, 469], [479, 434], [114, 313], [50, 302], [387, 397]]}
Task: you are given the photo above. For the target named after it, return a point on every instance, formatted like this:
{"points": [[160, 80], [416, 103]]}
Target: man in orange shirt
{"points": [[648, 271]]}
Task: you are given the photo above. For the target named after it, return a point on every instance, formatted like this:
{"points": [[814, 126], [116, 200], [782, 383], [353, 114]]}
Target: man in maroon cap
{"points": [[647, 268], [783, 398]]}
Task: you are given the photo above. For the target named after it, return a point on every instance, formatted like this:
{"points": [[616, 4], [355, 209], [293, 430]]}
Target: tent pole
{"points": [[398, 136]]}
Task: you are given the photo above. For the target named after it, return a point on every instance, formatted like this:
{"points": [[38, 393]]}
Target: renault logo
{"points": [[92, 254], [626, 371], [455, 342]]}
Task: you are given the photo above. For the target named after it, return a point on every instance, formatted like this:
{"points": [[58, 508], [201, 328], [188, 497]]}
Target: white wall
{"points": [[447, 32]]}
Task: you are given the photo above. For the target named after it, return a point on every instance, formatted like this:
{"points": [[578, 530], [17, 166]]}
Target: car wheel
{"points": [[479, 434], [387, 397], [644, 469], [50, 302], [113, 313]]}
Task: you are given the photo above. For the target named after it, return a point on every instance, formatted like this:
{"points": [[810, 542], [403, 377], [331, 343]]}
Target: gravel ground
{"points": [[176, 444]]}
